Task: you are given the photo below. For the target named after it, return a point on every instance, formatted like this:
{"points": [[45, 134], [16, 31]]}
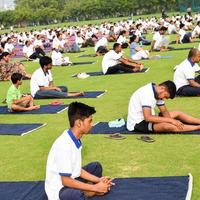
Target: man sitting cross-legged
{"points": [[15, 101], [114, 62], [42, 86], [141, 114], [184, 76], [66, 179]]}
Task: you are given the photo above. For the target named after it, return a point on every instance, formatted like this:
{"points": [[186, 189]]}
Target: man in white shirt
{"points": [[141, 114], [196, 31], [114, 62], [66, 179], [38, 45], [101, 46], [9, 47], [159, 42], [184, 77], [183, 36], [58, 42], [42, 86], [29, 52]]}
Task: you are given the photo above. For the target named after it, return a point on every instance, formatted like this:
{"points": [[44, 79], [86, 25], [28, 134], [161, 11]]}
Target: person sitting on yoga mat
{"points": [[14, 99], [184, 77], [66, 179], [160, 42], [42, 86], [183, 36], [114, 62], [30, 53], [141, 114], [136, 51]]}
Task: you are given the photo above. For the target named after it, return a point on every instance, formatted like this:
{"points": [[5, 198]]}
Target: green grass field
{"points": [[24, 158]]}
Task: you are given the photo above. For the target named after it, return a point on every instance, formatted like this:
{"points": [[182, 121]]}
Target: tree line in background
{"points": [[40, 12]]}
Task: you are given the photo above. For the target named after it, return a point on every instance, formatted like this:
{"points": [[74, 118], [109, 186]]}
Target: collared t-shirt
{"points": [[12, 94], [110, 59], [64, 159], [158, 39], [28, 50], [40, 79], [143, 97], [184, 72]]}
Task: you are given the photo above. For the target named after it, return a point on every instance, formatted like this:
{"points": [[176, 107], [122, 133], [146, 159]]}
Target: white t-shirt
{"points": [[102, 42], [57, 43], [39, 79], [57, 58], [184, 72], [158, 38], [38, 43], [110, 59], [181, 33], [143, 97], [64, 159], [196, 31], [8, 47], [121, 39], [28, 50]]}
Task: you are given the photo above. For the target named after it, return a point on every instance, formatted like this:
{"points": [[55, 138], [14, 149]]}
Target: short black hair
{"points": [[132, 38], [163, 28], [16, 77], [116, 45], [45, 60], [4, 54], [80, 111], [170, 87], [193, 52]]}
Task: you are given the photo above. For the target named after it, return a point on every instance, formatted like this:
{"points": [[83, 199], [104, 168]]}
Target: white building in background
{"points": [[7, 4]]}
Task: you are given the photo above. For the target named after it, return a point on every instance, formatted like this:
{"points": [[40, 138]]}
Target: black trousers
{"points": [[120, 67], [188, 90]]}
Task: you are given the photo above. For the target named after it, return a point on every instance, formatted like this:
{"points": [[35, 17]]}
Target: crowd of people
{"points": [[65, 177]]}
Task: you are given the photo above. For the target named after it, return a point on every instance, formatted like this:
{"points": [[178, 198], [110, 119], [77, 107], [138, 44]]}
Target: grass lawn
{"points": [[24, 158]]}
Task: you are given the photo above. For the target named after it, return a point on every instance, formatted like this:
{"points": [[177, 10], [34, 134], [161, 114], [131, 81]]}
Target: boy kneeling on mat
{"points": [[141, 114], [65, 178], [15, 101]]}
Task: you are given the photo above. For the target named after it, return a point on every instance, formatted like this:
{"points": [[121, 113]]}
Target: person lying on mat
{"points": [[184, 77], [14, 99], [160, 42], [114, 62], [141, 114], [42, 86], [66, 179], [136, 51]]}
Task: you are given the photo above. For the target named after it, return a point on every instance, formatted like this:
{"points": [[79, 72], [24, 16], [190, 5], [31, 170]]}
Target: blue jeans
{"points": [[48, 94], [66, 193]]}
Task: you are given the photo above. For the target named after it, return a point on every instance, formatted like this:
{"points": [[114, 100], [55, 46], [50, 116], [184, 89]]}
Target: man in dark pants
{"points": [[42, 86], [66, 179], [184, 77], [114, 62]]}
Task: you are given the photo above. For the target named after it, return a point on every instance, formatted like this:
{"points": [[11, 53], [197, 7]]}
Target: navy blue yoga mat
{"points": [[45, 109], [159, 57], [103, 128], [101, 73], [83, 63], [177, 49], [87, 55], [91, 94], [18, 129], [162, 188], [25, 190]]}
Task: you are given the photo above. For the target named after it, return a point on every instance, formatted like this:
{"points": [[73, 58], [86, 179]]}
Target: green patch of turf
{"points": [[24, 158]]}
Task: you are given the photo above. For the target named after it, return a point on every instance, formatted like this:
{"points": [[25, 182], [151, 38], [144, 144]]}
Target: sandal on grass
{"points": [[116, 136], [146, 139]]}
